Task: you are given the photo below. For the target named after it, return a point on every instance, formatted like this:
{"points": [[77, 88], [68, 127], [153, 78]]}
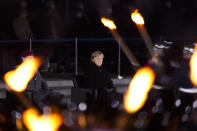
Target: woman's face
{"points": [[98, 60]]}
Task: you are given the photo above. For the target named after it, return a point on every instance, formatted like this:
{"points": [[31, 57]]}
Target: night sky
{"points": [[170, 18]]}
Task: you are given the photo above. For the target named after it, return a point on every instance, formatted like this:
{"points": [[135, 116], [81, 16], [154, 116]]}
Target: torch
{"points": [[110, 24], [193, 69], [35, 122], [17, 81], [138, 19], [138, 90]]}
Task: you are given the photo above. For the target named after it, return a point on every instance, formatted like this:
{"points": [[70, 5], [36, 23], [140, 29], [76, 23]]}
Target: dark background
{"points": [[173, 20], [82, 17]]}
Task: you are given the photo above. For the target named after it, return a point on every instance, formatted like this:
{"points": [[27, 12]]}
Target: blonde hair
{"points": [[96, 53]]}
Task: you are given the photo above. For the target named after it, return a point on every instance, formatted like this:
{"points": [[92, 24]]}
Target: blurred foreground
{"points": [[163, 111]]}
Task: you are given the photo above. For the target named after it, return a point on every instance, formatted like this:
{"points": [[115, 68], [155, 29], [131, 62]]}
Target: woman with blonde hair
{"points": [[99, 81]]}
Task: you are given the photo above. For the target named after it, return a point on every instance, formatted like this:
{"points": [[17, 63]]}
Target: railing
{"points": [[78, 41]]}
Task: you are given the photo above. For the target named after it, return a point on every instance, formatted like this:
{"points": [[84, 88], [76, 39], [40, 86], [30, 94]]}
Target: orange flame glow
{"points": [[18, 79], [137, 18], [193, 67], [138, 90], [82, 120], [36, 122], [108, 23]]}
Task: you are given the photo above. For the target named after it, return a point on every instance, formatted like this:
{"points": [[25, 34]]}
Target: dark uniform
{"points": [[37, 89]]}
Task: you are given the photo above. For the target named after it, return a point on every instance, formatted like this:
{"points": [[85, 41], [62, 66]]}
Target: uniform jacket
{"points": [[37, 89]]}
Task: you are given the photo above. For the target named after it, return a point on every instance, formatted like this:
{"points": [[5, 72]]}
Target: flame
{"points": [[138, 90], [137, 18], [18, 79], [193, 69], [82, 120], [36, 122], [108, 23]]}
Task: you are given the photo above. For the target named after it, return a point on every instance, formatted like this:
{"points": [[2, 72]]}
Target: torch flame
{"points": [[18, 79], [193, 69], [137, 18], [108, 23], [36, 122], [138, 90]]}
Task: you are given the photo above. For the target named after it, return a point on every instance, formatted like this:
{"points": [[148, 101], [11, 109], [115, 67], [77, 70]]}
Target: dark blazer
{"points": [[98, 77], [103, 90]]}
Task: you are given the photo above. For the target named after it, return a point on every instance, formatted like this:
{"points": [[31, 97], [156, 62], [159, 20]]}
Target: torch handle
{"points": [[146, 39], [125, 49], [30, 42]]}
